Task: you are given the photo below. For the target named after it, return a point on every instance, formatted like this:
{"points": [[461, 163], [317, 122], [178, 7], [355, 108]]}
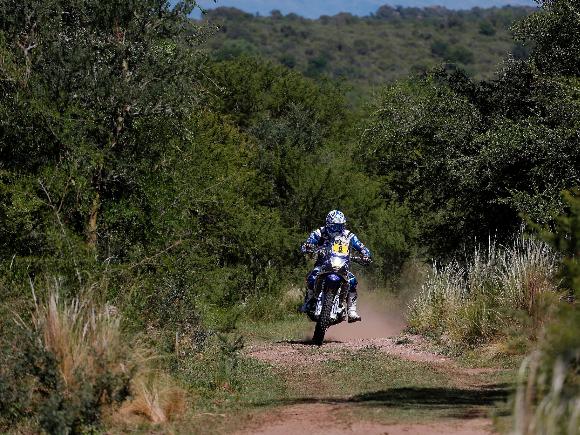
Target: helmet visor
{"points": [[335, 228]]}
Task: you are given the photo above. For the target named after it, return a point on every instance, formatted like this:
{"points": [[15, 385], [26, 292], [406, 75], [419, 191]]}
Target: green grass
{"points": [[290, 327], [373, 385]]}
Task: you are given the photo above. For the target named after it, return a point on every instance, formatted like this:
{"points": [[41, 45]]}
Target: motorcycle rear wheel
{"points": [[323, 320]]}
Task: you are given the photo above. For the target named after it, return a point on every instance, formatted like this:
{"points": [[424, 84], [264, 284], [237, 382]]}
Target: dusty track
{"points": [[320, 413], [333, 415], [334, 419]]}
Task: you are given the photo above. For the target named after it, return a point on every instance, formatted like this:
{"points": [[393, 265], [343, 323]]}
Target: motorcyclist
{"points": [[334, 231]]}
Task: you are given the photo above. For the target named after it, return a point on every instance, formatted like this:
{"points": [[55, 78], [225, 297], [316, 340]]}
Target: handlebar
{"points": [[355, 258], [360, 260]]}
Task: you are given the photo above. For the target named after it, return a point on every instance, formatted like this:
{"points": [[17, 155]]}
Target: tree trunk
{"points": [[92, 223]]}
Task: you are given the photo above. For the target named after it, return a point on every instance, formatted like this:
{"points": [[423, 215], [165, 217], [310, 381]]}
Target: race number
{"points": [[339, 248]]}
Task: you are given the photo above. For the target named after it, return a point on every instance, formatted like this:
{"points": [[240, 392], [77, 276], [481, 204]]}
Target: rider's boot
{"points": [[353, 316], [308, 299]]}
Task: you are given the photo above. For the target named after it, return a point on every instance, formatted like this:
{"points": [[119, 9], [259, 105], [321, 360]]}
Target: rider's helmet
{"points": [[335, 222]]}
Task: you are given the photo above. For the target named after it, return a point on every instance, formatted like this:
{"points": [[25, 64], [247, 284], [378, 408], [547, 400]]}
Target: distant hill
{"points": [[314, 9], [371, 50]]}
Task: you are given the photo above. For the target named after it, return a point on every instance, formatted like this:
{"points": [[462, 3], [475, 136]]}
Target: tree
{"points": [[471, 158], [87, 75], [554, 34]]}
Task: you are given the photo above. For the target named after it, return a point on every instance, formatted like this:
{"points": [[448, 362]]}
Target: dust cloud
{"points": [[382, 316]]}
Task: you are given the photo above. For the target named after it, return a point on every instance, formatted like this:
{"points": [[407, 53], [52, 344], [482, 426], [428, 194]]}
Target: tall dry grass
{"points": [[156, 399], [547, 400], [101, 376], [86, 341], [527, 270], [472, 302]]}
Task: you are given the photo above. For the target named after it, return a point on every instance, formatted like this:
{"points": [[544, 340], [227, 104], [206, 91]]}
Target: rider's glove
{"points": [[308, 248], [367, 260]]}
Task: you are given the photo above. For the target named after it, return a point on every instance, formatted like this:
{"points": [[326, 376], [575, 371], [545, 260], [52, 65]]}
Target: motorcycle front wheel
{"points": [[323, 320]]}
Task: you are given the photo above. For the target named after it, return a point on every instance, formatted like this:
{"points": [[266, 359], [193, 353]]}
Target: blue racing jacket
{"points": [[320, 237]]}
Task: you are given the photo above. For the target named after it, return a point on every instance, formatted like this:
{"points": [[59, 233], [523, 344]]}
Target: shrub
{"points": [[68, 369], [486, 28], [527, 270], [440, 49], [79, 363], [461, 54]]}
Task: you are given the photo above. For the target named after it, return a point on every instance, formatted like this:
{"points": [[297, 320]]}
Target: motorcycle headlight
{"points": [[337, 263]]}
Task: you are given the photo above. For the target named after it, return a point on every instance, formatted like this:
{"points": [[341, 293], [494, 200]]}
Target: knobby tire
{"points": [[323, 320]]}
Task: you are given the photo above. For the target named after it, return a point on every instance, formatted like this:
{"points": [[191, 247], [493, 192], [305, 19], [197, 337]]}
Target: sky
{"points": [[315, 8]]}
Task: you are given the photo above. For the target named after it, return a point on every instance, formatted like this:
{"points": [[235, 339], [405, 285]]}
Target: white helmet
{"points": [[335, 222]]}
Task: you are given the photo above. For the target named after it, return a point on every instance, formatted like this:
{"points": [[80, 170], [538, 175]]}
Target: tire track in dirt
{"points": [[331, 419]]}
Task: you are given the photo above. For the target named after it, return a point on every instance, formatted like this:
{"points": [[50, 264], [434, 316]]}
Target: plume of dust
{"points": [[383, 315]]}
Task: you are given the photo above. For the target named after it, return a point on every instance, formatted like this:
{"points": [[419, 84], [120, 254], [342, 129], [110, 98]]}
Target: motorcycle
{"points": [[331, 288]]}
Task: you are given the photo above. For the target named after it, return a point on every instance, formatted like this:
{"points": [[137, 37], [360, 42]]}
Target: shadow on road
{"points": [[457, 400], [306, 342], [433, 397]]}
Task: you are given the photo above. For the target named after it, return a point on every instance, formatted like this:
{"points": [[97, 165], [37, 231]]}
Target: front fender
{"points": [[332, 281]]}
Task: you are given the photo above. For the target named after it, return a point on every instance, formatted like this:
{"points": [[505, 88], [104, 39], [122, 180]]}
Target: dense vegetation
{"points": [[470, 158], [369, 51], [157, 184]]}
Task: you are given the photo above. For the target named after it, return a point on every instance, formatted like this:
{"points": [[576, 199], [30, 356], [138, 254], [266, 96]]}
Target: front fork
{"points": [[340, 303], [344, 292]]}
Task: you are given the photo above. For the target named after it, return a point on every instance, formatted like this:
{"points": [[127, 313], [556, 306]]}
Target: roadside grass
{"points": [[229, 407], [382, 387], [373, 385], [496, 355], [501, 293], [223, 389], [392, 389], [68, 367], [212, 387], [84, 372], [293, 326]]}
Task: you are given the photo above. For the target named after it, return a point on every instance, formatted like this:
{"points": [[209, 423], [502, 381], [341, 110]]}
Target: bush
{"points": [[76, 361], [486, 28], [440, 49], [461, 54]]}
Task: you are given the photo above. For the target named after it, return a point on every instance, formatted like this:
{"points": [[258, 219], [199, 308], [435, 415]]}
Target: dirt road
{"points": [[368, 378]]}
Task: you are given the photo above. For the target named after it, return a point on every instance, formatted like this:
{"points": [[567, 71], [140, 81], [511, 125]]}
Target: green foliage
{"points": [[15, 386], [561, 341], [415, 141], [70, 122], [64, 367], [486, 28], [452, 54], [178, 185], [554, 33], [469, 157], [303, 156], [179, 204]]}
